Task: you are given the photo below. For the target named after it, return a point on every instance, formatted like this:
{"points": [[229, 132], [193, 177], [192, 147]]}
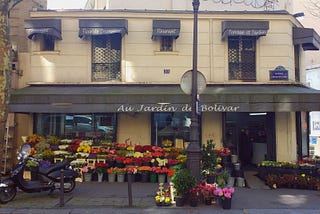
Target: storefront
{"points": [[268, 116]]}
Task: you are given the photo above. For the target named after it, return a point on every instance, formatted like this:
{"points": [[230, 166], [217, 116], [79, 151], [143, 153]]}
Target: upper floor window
{"points": [[46, 31], [166, 43], [242, 37], [242, 58], [106, 57], [106, 38], [46, 43], [165, 31]]}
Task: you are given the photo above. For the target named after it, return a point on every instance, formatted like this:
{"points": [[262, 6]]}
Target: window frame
{"points": [[102, 67], [166, 43], [242, 66]]}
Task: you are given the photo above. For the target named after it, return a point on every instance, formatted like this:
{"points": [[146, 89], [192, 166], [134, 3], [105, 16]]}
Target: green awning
{"points": [[162, 98]]}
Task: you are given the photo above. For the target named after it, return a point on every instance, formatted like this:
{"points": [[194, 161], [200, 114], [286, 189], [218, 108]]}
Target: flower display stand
{"points": [[226, 203], [111, 178]]}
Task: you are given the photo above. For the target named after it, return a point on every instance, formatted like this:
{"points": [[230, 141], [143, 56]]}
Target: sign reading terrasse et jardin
{"points": [[175, 108]]}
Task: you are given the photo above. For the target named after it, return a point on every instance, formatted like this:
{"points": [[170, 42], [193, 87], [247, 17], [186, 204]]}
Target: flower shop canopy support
{"points": [[90, 98]]}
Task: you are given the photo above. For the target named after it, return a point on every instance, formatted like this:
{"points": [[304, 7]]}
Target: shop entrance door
{"points": [[251, 136]]}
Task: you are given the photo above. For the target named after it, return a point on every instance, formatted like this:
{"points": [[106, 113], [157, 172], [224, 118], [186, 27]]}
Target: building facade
{"points": [[114, 75]]}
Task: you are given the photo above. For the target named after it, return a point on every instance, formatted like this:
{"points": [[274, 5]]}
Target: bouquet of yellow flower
{"points": [[84, 148], [163, 196]]}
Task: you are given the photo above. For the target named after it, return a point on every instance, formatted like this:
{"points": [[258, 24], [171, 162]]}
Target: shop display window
{"points": [[171, 128], [97, 126]]}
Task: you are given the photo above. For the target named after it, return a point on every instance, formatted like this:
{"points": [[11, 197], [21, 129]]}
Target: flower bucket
{"points": [[111, 178], [153, 177], [231, 181], [234, 159], [87, 176], [120, 177], [226, 203], [161, 178], [100, 177], [240, 182], [237, 166], [145, 177], [179, 201]]}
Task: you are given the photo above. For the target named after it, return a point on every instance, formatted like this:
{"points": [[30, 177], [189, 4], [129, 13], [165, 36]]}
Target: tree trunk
{"points": [[4, 72], [5, 68]]}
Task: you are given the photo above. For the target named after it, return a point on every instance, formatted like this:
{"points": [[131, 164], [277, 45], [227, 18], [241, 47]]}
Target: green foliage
{"points": [[209, 157], [183, 181], [32, 164]]}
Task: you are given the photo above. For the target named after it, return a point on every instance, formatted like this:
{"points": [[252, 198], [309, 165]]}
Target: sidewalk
{"points": [[95, 198]]}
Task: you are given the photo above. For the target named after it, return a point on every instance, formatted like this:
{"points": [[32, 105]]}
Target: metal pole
{"points": [[194, 150], [130, 189], [61, 188]]}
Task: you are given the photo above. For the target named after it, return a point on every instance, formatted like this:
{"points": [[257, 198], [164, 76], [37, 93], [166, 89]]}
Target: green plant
{"points": [[209, 158], [183, 181], [32, 163]]}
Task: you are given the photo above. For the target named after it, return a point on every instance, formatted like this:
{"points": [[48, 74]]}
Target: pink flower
{"points": [[225, 192], [227, 195]]}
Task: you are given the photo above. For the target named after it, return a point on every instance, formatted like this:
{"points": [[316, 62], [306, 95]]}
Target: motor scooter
{"points": [[48, 178]]}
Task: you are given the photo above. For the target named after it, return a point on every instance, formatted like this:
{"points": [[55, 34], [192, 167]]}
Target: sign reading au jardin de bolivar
{"points": [[175, 108]]}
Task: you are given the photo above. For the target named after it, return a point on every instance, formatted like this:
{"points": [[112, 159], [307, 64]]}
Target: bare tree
{"points": [[5, 66]]}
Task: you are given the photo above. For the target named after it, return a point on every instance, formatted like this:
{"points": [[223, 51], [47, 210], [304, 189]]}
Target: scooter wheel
{"points": [[7, 194], [69, 185]]}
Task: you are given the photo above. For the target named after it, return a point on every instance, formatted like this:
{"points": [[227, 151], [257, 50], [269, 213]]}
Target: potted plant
{"points": [[163, 195], [225, 194], [207, 192], [120, 174], [183, 181], [101, 168], [194, 196], [87, 172], [144, 171], [111, 174], [209, 161]]}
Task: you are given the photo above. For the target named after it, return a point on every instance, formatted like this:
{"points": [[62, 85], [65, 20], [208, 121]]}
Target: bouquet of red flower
{"points": [[132, 169], [138, 148], [101, 167], [127, 161], [147, 148], [159, 170], [119, 158]]}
